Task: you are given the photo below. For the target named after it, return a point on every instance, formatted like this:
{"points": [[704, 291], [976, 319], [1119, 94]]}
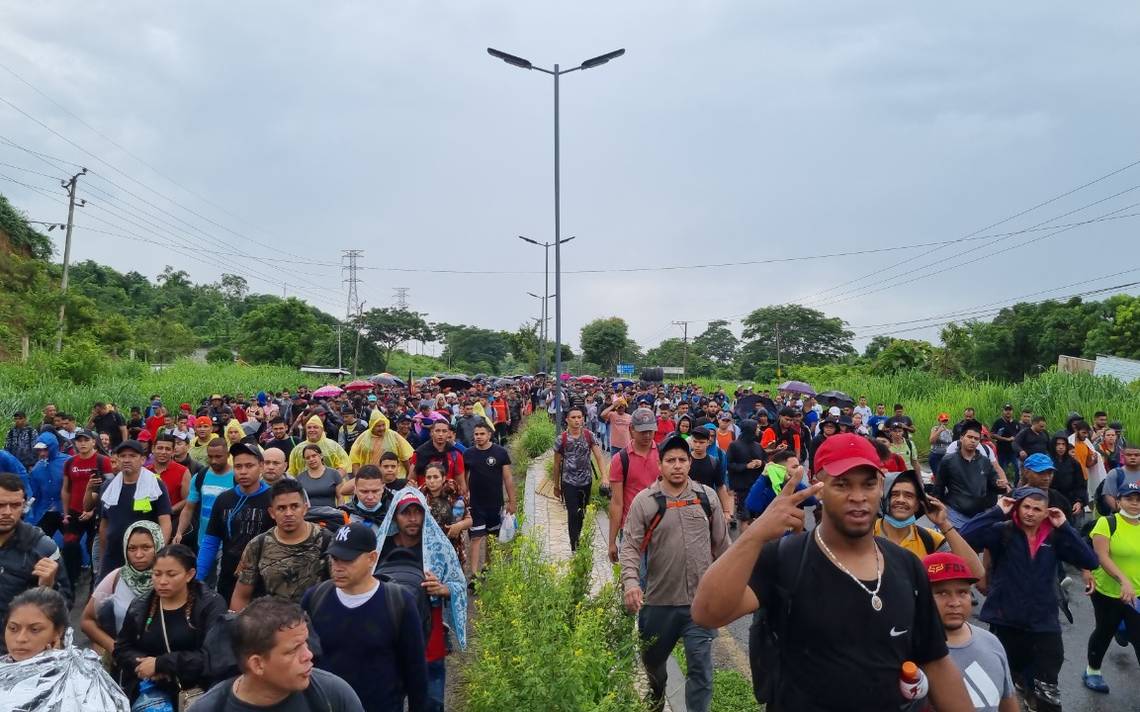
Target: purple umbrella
{"points": [[797, 387]]}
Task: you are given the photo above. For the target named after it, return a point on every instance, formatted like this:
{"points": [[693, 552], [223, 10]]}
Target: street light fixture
{"points": [[543, 329], [546, 286], [556, 72]]}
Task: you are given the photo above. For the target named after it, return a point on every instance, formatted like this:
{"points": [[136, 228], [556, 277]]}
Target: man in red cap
{"points": [[873, 608], [977, 652]]}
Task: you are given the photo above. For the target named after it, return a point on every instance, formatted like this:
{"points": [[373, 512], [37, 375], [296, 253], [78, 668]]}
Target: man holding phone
{"points": [[82, 473]]}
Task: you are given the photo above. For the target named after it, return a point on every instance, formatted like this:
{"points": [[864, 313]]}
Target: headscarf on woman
{"points": [[140, 582]]}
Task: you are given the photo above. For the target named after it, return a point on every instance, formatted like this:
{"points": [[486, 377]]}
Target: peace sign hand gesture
{"points": [[784, 513]]}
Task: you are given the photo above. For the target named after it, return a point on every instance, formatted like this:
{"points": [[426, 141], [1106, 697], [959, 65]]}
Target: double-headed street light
{"points": [[546, 287], [556, 72], [543, 329]]}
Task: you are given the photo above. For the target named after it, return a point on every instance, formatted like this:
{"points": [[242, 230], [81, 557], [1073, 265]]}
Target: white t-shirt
{"points": [[356, 600]]}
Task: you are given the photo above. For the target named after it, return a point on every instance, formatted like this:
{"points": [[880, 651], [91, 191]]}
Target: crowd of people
{"points": [[251, 553], [293, 552], [1009, 512]]}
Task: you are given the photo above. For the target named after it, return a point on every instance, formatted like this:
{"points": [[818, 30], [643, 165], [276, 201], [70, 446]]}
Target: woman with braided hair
{"points": [[164, 632]]}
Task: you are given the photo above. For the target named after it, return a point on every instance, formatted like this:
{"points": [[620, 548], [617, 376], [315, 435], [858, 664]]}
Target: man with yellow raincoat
{"points": [[379, 438]]}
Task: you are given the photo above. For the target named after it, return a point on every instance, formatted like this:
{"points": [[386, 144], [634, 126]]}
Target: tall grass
{"points": [[534, 438], [1051, 394], [543, 643], [132, 383]]}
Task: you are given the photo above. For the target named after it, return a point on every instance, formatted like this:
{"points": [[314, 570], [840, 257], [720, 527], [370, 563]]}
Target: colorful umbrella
{"points": [[329, 391], [358, 385], [587, 379], [797, 387]]}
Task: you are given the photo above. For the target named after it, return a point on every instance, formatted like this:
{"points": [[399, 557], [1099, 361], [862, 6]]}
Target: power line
{"points": [[1010, 218]]}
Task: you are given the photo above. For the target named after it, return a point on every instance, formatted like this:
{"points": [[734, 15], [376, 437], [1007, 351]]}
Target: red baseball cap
{"points": [[945, 566], [843, 452]]}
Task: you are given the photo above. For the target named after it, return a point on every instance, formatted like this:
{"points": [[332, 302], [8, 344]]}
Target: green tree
{"points": [[875, 345], [604, 341], [388, 327], [283, 331], [806, 337], [718, 343], [470, 344], [902, 354], [1119, 334]]}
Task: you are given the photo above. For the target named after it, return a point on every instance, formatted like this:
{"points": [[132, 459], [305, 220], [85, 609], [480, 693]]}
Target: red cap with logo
{"points": [[945, 566], [843, 452]]}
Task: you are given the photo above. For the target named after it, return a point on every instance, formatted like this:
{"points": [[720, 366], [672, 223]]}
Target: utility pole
{"points": [[349, 267], [779, 375], [70, 186], [685, 353]]}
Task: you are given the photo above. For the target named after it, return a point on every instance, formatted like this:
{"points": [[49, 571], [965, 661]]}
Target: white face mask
{"points": [[1130, 517]]}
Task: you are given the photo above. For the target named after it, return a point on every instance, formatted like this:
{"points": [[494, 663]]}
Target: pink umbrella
{"points": [[327, 392], [587, 379], [565, 377], [359, 385]]}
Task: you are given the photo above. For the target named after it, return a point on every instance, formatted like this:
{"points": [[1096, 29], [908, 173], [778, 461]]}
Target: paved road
{"points": [[1120, 666]]}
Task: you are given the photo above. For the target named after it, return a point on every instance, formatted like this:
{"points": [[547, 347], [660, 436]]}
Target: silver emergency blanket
{"points": [[68, 680]]}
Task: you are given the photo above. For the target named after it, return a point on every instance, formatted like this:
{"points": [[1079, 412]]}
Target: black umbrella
{"points": [[387, 379], [457, 383], [839, 396], [480, 377]]}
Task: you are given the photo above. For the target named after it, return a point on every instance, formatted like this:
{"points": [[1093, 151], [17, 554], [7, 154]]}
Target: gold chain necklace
{"points": [[876, 602]]}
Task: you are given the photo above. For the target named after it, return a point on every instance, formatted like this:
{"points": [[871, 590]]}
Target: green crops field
{"points": [[132, 383], [1051, 394]]}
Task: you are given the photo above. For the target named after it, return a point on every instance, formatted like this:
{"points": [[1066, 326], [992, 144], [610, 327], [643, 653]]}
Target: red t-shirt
{"points": [[77, 471], [172, 478], [436, 647], [665, 428], [895, 463], [643, 471]]}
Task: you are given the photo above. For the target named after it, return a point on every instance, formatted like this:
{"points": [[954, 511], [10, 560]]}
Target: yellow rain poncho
{"points": [[234, 432], [478, 410], [369, 447], [332, 453]]}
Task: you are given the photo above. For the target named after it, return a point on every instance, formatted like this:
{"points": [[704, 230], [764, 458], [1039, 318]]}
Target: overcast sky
{"points": [[729, 132]]}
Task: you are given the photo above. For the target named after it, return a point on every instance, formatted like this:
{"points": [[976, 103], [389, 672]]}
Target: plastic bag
{"points": [[67, 680], [508, 527]]}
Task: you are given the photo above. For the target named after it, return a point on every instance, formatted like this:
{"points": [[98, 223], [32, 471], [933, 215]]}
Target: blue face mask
{"points": [[381, 503], [899, 523]]}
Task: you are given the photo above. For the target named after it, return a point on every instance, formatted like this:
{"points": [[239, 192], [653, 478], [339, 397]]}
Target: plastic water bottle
{"points": [[912, 682], [457, 509], [151, 699]]}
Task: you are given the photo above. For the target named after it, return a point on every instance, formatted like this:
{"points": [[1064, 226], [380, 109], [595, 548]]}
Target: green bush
{"points": [[534, 438], [543, 643], [219, 354]]}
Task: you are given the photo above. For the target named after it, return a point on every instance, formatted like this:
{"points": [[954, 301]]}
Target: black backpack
{"points": [[770, 623], [402, 566]]}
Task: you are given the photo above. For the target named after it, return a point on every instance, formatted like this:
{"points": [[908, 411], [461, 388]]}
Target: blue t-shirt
{"points": [[213, 485], [874, 422]]}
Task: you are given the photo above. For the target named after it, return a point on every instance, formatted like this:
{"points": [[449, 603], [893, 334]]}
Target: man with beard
{"points": [[879, 612], [976, 651], [28, 557]]}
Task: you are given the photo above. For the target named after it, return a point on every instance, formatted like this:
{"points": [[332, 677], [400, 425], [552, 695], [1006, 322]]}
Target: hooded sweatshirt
{"points": [[1023, 578], [368, 448], [46, 478], [1068, 478], [743, 450]]}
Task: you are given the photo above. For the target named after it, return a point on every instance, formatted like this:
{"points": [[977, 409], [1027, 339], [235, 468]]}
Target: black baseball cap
{"points": [[351, 541], [131, 445], [675, 442], [84, 433], [242, 448]]}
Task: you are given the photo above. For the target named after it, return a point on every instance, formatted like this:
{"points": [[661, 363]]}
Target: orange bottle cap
{"points": [[909, 671]]}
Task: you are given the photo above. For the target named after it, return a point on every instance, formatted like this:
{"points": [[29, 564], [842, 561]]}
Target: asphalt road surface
{"points": [[1120, 668]]}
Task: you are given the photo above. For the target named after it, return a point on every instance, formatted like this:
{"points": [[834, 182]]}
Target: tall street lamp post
{"points": [[556, 72]]}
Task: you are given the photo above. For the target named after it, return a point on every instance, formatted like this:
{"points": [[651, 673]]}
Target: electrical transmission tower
{"points": [[350, 269], [400, 294]]}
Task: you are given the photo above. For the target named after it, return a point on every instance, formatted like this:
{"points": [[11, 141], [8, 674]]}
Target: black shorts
{"points": [[485, 520]]}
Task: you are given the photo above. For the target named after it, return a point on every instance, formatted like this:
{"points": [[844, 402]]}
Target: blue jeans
{"points": [[935, 458], [660, 628], [436, 684]]}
